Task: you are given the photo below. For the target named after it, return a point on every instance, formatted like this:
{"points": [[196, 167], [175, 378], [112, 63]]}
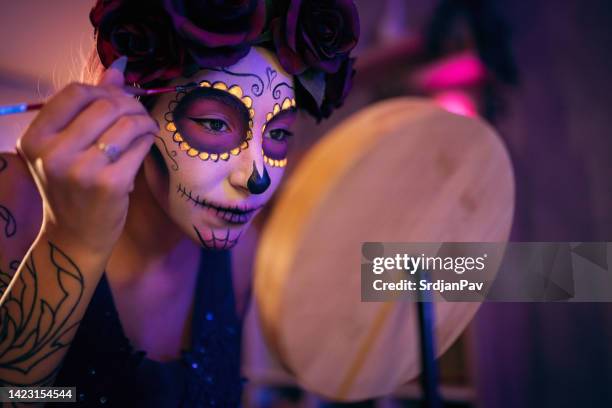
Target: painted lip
{"points": [[238, 214]]}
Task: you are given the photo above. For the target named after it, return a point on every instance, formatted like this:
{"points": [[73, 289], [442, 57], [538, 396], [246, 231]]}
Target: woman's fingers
{"points": [[124, 170], [60, 110], [102, 113], [120, 136], [95, 120], [114, 74], [84, 188]]}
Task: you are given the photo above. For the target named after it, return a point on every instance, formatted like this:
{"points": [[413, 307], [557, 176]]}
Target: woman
{"points": [[119, 214]]}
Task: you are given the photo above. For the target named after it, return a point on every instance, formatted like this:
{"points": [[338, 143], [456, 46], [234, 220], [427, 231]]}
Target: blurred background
{"points": [[539, 71]]}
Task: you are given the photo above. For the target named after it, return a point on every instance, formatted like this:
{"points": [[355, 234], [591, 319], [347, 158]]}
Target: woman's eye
{"points": [[214, 125], [280, 134]]}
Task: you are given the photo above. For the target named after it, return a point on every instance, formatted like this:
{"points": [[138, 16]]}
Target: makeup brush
{"points": [[26, 107]]}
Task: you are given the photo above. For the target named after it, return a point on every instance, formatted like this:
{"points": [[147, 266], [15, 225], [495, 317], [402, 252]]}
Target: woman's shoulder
{"points": [[20, 209]]}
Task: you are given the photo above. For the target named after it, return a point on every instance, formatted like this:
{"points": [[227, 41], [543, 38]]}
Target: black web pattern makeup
{"points": [[217, 242], [191, 151]]}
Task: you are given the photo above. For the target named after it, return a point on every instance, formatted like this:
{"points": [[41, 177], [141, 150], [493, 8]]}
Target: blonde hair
{"points": [[92, 69]]}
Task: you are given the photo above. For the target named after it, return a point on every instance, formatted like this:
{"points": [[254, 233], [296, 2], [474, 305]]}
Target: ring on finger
{"points": [[112, 151]]}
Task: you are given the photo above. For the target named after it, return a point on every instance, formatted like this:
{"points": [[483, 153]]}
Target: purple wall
{"points": [[558, 130]]}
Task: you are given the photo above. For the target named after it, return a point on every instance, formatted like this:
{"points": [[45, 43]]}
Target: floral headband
{"points": [[165, 39]]}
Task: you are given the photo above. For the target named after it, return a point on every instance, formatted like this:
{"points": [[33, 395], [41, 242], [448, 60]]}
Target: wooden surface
{"points": [[399, 171]]}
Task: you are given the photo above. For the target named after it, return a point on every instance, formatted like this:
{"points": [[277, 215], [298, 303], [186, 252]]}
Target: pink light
{"points": [[456, 71], [457, 102]]}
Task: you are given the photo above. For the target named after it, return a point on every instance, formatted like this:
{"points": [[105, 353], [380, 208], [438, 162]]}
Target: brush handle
{"points": [[19, 108], [26, 107]]}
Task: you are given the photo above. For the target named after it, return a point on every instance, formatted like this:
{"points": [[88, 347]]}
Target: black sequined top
{"points": [[107, 371]]}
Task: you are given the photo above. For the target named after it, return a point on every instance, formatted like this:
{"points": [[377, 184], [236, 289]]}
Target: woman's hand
{"points": [[84, 191]]}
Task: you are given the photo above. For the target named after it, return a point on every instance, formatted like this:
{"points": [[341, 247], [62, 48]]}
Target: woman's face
{"points": [[224, 146]]}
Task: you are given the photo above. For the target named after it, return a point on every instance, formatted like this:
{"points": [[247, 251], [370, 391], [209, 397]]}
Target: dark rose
{"points": [[101, 9], [337, 87], [218, 32], [315, 33], [143, 34]]}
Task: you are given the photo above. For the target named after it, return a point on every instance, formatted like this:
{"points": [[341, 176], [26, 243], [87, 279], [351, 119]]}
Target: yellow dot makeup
{"points": [[213, 122], [274, 142]]}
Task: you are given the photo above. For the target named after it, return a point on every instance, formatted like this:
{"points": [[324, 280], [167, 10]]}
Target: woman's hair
{"points": [[92, 68], [166, 39]]}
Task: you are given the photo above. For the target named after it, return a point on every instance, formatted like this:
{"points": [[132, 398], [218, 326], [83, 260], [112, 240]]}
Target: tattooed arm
{"points": [[85, 197], [49, 292], [20, 214], [42, 307]]}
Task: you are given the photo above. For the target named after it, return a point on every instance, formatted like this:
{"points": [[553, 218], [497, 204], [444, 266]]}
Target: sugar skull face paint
{"points": [[274, 146], [213, 143], [211, 136]]}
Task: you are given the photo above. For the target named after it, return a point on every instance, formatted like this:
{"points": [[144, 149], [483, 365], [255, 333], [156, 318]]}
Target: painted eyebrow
{"points": [[221, 96], [258, 86]]}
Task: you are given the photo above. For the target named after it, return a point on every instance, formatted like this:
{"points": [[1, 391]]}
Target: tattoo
{"points": [[5, 279], [256, 87], [35, 328], [215, 241], [46, 381], [10, 225], [170, 153]]}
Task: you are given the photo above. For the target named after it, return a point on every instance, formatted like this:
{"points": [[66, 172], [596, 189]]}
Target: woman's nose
{"points": [[249, 174], [258, 183]]}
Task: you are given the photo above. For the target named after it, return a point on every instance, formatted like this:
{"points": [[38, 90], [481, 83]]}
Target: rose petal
{"points": [[291, 23], [218, 57], [192, 29], [320, 32], [146, 38], [208, 38], [289, 60]]}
